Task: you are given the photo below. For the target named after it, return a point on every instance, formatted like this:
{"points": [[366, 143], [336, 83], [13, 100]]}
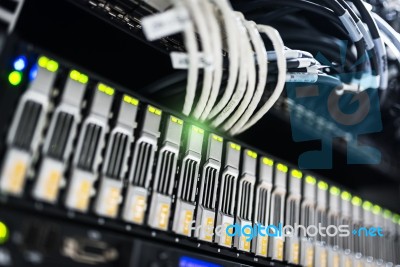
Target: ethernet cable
{"points": [[240, 118], [369, 47], [215, 33], [391, 46], [277, 43], [298, 63], [324, 45], [380, 49], [247, 74], [257, 7], [346, 20], [206, 43], [388, 30], [375, 47], [349, 20], [192, 50], [314, 78], [158, 26], [261, 60], [290, 54], [229, 21]]}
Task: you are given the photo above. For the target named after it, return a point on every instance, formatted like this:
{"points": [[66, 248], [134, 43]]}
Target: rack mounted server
{"points": [[80, 149]]}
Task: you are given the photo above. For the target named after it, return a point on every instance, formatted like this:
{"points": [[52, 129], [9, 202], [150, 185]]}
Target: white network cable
{"points": [[229, 21], [206, 42], [215, 32], [247, 74], [262, 78], [201, 26], [193, 55], [391, 46], [387, 30], [277, 43]]}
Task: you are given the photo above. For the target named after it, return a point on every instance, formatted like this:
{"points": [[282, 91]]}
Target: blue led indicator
{"points": [[192, 262], [33, 72], [20, 63]]}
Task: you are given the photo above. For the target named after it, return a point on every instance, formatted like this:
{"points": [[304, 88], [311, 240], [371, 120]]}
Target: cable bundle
{"points": [[231, 88], [351, 21]]}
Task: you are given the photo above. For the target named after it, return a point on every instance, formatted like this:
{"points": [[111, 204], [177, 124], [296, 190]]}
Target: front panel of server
{"points": [[82, 150]]}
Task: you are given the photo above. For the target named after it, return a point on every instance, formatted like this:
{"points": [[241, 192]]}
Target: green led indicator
{"points": [[356, 201], [48, 64], [268, 161], [130, 100], [387, 214], [376, 209], [282, 168], [311, 180], [334, 191], [297, 174], [3, 233], [322, 185], [346, 195], [79, 77], [252, 154], [15, 78], [367, 205], [235, 146], [396, 218], [197, 130], [217, 138]]}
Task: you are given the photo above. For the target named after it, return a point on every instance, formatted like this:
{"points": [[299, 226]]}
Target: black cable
{"points": [[340, 10], [367, 18], [375, 34], [267, 18], [322, 79], [371, 53], [323, 11], [328, 47], [290, 65]]}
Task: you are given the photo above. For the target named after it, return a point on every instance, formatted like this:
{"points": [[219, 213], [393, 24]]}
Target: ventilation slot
{"points": [[89, 146], [292, 213], [209, 196], [262, 208], [167, 162], [228, 186], [277, 209], [322, 218], [357, 245], [143, 157], [189, 180], [346, 243], [60, 136], [333, 240], [308, 218], [245, 200], [118, 150], [27, 125]]}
